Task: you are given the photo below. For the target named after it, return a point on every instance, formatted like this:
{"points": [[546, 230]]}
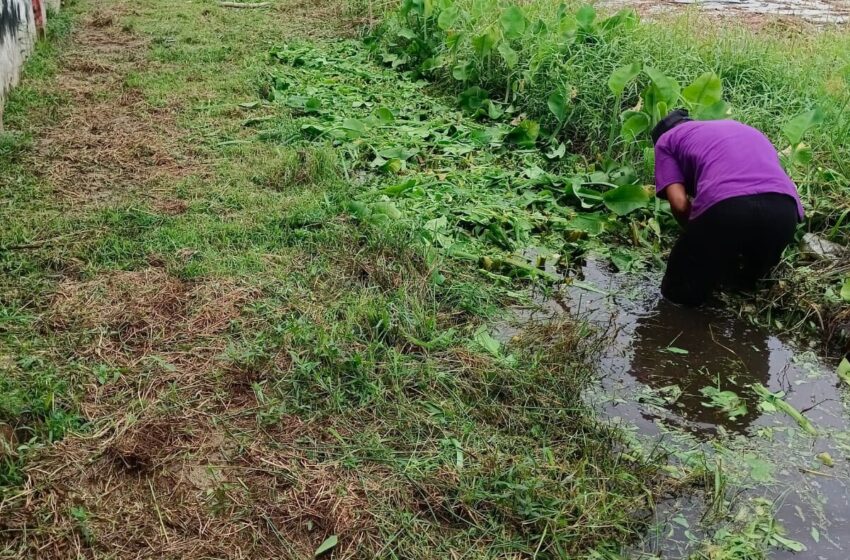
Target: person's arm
{"points": [[670, 182], [680, 204]]}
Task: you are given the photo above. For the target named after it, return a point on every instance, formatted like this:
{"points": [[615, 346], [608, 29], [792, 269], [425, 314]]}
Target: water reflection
{"points": [[723, 354]]}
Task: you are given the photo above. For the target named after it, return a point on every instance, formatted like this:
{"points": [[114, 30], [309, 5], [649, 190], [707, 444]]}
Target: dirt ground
{"points": [[751, 13]]}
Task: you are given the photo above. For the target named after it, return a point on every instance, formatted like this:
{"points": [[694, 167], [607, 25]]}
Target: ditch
{"points": [[681, 379]]}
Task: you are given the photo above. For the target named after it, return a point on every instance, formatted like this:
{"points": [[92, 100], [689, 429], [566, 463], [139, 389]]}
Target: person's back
{"points": [[717, 160], [739, 208]]}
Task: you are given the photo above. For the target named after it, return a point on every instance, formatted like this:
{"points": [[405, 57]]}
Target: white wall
{"points": [[17, 37]]}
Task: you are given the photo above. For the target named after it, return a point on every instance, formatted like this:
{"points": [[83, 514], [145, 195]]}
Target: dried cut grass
{"points": [[110, 142], [135, 313], [177, 486]]}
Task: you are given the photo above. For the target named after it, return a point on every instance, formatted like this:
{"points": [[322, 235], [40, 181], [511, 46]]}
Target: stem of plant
{"points": [[612, 133]]}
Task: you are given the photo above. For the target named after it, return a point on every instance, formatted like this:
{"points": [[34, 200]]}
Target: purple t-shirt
{"points": [[716, 160]]}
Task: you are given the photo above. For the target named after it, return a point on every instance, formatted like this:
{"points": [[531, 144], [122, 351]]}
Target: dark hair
{"points": [[672, 120]]}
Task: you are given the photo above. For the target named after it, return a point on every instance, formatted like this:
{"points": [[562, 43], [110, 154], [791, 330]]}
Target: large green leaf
{"points": [[354, 128], [621, 77], [509, 55], [626, 199], [461, 71], [667, 88], [635, 123], [626, 18], [704, 91], [797, 127], [447, 18], [557, 103], [485, 43], [592, 223], [716, 111], [585, 17], [513, 22], [472, 98], [524, 134]]}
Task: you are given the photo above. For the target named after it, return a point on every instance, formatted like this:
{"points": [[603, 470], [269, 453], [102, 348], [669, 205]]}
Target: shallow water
{"points": [[815, 11], [650, 386]]}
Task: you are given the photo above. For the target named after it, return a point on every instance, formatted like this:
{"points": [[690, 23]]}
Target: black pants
{"points": [[734, 243]]}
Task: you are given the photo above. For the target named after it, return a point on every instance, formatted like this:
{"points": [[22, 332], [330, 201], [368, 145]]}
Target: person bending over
{"points": [[737, 206]]}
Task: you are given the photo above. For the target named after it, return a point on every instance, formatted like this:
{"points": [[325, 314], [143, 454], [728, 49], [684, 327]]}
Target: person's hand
{"points": [[680, 204]]}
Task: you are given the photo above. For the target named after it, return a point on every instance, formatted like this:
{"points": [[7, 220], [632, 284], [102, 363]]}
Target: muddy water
{"points": [[815, 11], [654, 376]]}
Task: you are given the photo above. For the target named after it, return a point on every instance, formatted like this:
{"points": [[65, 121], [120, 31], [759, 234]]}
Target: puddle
{"points": [[815, 11], [660, 376]]}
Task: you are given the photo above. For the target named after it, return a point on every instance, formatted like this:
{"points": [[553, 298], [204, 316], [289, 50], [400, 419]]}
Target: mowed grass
{"points": [[206, 353]]}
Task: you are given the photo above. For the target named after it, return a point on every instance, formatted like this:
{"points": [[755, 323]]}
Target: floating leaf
{"points": [[727, 401], [557, 103], [826, 459], [621, 77], [797, 127], [760, 470], [776, 401], [626, 199], [326, 546], [788, 543], [513, 22]]}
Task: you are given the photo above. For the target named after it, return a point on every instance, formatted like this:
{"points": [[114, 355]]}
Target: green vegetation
{"points": [[596, 85], [250, 273], [234, 310]]}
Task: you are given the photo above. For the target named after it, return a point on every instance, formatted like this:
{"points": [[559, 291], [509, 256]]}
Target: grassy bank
{"points": [[225, 332], [554, 65]]}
